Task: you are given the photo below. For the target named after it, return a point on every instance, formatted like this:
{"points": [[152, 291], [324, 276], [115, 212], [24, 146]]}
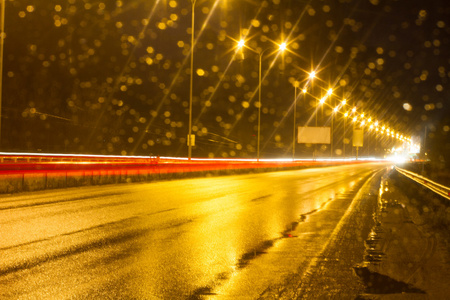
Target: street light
{"points": [[311, 76], [281, 47], [321, 102], [304, 90]]}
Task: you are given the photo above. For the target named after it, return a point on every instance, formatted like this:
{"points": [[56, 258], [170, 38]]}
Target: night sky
{"points": [[112, 77]]}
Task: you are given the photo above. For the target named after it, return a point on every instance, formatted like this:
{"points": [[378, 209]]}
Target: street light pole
{"points": [[259, 104], [295, 112], [2, 38], [376, 142], [315, 145], [189, 139], [332, 132], [345, 127]]}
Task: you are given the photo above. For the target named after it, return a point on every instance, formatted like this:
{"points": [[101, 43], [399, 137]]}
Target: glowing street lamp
{"points": [[323, 99], [281, 47]]}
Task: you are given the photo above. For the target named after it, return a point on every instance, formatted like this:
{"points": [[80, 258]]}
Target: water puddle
{"points": [[377, 283]]}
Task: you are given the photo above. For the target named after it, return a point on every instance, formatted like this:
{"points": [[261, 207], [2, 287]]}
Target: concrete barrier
{"points": [[39, 175]]}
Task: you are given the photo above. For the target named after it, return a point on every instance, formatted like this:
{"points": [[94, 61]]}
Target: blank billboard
{"points": [[358, 137], [314, 135]]}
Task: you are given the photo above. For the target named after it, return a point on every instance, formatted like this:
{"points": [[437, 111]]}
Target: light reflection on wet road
{"points": [[170, 239]]}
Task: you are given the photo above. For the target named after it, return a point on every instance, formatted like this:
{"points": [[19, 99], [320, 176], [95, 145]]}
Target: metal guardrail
{"points": [[30, 172], [38, 157], [433, 186], [40, 162]]}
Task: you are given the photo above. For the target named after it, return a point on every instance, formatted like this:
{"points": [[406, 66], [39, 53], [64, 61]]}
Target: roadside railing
{"points": [[31, 172], [433, 186], [30, 162], [38, 157]]}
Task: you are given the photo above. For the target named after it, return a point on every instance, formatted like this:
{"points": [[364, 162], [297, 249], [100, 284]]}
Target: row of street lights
{"points": [[364, 121], [260, 52], [373, 125]]}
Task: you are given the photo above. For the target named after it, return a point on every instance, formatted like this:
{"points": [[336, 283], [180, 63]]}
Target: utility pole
{"points": [[190, 139], [2, 39]]}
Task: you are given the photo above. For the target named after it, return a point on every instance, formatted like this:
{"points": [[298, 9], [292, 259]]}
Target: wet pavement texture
{"points": [[329, 274], [219, 237], [309, 234]]}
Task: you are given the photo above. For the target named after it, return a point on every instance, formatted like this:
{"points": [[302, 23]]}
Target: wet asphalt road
{"points": [[219, 237]]}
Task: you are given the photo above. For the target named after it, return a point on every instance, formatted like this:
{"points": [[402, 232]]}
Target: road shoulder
{"points": [[330, 274], [407, 253]]}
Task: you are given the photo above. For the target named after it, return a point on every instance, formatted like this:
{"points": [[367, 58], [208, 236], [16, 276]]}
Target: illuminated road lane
{"points": [[172, 239]]}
